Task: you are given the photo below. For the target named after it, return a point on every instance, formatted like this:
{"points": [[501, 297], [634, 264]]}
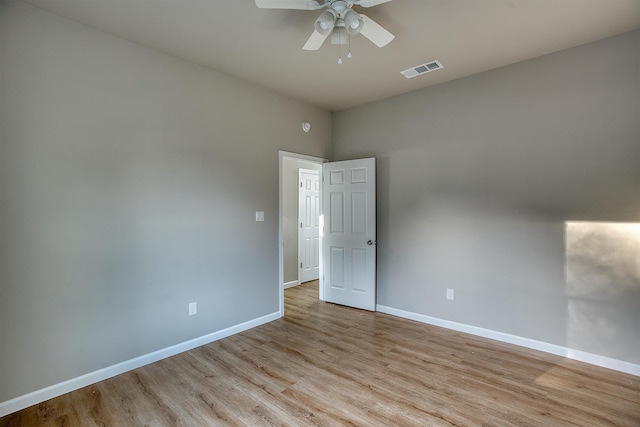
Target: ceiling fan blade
{"points": [[315, 41], [288, 4], [371, 3], [374, 32]]}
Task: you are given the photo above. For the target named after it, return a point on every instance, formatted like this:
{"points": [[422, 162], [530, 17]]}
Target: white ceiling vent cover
{"points": [[422, 69]]}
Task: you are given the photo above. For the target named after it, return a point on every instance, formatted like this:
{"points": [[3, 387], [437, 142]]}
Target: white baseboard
{"points": [[291, 284], [55, 390], [582, 356]]}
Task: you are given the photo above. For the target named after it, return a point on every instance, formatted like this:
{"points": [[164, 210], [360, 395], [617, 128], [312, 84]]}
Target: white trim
{"points": [[582, 356], [291, 284], [55, 390], [282, 155]]}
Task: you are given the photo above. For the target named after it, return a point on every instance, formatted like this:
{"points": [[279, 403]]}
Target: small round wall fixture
{"points": [[306, 126]]}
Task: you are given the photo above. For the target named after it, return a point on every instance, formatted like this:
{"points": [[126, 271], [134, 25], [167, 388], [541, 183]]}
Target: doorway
{"points": [[348, 224], [289, 165]]}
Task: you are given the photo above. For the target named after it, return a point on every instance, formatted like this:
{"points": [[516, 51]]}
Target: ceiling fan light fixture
{"points": [[339, 36], [353, 22], [325, 22]]}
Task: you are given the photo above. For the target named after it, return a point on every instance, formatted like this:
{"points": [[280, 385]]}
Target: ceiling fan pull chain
{"points": [[339, 48], [349, 54]]}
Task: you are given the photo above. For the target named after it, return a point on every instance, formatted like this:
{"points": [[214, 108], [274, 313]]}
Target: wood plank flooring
{"points": [[329, 365]]}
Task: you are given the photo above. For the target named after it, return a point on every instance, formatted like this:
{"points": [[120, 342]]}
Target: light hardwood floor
{"points": [[329, 365]]}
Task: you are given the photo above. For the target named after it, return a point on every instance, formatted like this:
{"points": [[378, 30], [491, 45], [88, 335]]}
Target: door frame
{"points": [[281, 156]]}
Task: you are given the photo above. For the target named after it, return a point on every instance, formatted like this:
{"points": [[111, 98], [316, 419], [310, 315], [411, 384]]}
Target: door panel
{"points": [[309, 221], [349, 269]]}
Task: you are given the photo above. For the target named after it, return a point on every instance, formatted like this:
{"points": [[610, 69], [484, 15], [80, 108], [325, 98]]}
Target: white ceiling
{"points": [[264, 45]]}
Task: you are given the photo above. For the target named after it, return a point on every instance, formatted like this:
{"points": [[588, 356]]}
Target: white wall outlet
{"points": [[259, 216], [193, 308], [449, 293]]}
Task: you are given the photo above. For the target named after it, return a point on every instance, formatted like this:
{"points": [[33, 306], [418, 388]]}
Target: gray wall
{"points": [[477, 177], [290, 187], [129, 182]]}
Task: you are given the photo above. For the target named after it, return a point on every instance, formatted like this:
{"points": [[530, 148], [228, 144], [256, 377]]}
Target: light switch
{"points": [[259, 216]]}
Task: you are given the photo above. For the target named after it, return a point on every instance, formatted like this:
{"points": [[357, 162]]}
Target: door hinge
{"points": [[300, 225], [300, 265], [300, 184]]}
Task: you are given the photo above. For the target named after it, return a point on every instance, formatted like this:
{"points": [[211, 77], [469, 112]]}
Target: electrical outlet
{"points": [[193, 308], [449, 293]]}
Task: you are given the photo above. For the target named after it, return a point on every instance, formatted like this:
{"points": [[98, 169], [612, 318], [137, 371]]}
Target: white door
{"points": [[349, 233], [309, 222]]}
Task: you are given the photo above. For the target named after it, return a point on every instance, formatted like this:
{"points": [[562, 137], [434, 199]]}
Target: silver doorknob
{"points": [[371, 242]]}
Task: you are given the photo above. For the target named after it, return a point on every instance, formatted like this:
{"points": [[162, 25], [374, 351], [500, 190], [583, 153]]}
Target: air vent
{"points": [[422, 69]]}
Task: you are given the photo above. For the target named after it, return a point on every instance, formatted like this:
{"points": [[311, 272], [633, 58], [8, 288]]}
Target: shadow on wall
{"points": [[603, 286]]}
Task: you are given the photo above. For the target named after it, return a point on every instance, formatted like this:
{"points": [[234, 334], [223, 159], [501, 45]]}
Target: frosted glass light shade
{"points": [[324, 24]]}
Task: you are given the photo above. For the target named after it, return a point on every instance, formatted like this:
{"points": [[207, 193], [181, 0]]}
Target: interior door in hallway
{"points": [[349, 233], [309, 222]]}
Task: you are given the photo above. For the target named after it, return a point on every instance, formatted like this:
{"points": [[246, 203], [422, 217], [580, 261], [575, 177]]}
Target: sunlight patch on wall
{"points": [[602, 257], [602, 285]]}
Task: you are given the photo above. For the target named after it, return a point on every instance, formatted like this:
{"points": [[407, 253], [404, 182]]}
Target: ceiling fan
{"points": [[339, 20]]}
